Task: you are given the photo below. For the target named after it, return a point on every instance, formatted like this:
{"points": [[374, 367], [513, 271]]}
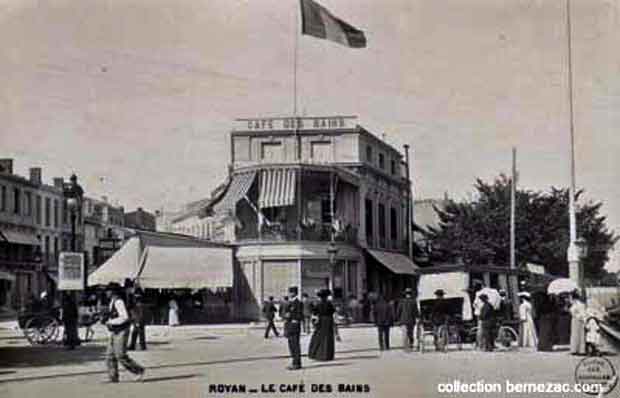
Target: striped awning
{"points": [[277, 188], [239, 187]]}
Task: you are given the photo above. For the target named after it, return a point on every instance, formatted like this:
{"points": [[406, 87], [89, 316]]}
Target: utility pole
{"points": [[513, 194], [409, 205]]}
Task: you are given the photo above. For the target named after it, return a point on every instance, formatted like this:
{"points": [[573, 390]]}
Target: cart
{"points": [[44, 326]]}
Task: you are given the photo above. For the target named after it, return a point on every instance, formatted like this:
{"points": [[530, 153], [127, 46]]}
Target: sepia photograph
{"points": [[309, 198]]}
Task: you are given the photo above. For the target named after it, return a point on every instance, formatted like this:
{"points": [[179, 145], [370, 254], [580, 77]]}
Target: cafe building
{"points": [[317, 202]]}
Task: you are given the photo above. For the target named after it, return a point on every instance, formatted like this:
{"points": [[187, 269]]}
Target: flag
{"points": [[317, 21]]}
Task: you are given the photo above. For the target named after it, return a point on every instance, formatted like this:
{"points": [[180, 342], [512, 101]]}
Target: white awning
{"points": [[395, 262], [186, 267], [277, 188], [125, 263], [19, 238], [239, 187]]}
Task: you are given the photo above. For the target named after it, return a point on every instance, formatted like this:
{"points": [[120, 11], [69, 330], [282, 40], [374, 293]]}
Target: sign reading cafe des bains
{"points": [[298, 123]]}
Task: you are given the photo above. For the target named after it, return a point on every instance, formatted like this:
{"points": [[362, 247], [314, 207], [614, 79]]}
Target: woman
{"points": [[173, 312], [577, 335], [547, 318], [322, 342], [527, 330]]}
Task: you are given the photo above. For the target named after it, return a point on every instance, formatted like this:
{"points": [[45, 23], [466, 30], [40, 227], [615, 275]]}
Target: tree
{"points": [[478, 231]]}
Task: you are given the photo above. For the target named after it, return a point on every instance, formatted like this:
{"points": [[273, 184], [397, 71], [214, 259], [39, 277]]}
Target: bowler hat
{"points": [[440, 292]]}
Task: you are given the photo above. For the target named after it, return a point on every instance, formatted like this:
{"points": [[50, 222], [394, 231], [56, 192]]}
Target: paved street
{"points": [[185, 361]]}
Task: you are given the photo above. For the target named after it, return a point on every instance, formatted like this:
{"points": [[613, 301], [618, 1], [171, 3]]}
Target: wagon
{"points": [[44, 326]]}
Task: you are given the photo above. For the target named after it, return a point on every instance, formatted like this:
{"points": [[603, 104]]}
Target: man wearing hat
{"points": [[293, 316], [118, 324], [406, 315]]}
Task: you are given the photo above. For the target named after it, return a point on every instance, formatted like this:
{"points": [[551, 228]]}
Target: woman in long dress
{"points": [[577, 324], [173, 313], [528, 335], [322, 342]]}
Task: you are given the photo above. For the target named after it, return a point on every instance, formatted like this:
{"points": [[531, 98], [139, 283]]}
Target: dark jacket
{"points": [[308, 308], [407, 312], [487, 313], [293, 315], [269, 310], [384, 313], [138, 313], [440, 312]]}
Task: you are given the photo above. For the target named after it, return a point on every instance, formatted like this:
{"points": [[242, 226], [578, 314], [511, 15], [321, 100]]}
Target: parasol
{"points": [[562, 285], [494, 298]]}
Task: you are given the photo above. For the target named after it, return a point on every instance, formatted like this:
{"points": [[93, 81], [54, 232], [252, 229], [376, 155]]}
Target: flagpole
{"points": [[513, 194], [295, 125]]}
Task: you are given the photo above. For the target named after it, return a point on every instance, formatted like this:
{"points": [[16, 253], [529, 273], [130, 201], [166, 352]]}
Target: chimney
{"points": [[6, 166], [59, 182], [35, 175]]}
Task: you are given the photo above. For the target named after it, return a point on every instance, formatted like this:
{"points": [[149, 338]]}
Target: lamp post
{"points": [[73, 193]]}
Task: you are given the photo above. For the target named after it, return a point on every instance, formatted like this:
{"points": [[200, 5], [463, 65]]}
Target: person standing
{"points": [[307, 312], [384, 318], [406, 316], [577, 325], [70, 317], [322, 345], [527, 330], [486, 323], [173, 312], [138, 319], [118, 324], [269, 310], [293, 315]]}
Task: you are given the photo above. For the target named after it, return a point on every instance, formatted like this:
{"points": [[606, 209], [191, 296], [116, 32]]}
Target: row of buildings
{"points": [[38, 221]]}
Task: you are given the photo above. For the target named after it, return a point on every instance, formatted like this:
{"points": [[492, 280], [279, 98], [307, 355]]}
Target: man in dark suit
{"points": [[269, 310], [293, 316], [407, 315], [384, 318]]}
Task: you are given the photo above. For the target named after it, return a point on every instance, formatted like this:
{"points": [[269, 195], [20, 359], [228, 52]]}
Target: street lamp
{"points": [[332, 250], [73, 193]]}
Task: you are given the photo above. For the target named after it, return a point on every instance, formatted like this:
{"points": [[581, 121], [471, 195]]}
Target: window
{"points": [[55, 213], [381, 216], [47, 246], [56, 248], [271, 151], [381, 161], [3, 198], [17, 197], [64, 212], [369, 221], [352, 275], [321, 151], [28, 203], [393, 167], [38, 209], [48, 206], [326, 210], [393, 224], [369, 153]]}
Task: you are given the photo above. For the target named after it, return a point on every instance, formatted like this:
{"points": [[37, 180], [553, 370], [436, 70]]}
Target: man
{"points": [[118, 323], [269, 310], [487, 320], [384, 317], [307, 305], [293, 316], [138, 318], [70, 318], [406, 315], [439, 316]]}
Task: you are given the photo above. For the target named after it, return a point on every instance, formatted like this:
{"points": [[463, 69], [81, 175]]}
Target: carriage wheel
{"points": [[40, 330], [506, 337], [442, 338]]}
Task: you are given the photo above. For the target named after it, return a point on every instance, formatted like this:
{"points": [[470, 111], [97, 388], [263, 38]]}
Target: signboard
{"points": [[535, 268], [299, 123], [71, 271]]}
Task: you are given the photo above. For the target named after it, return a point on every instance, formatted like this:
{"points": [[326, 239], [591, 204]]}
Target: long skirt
{"points": [[577, 337], [322, 342], [527, 335], [545, 338], [173, 317]]}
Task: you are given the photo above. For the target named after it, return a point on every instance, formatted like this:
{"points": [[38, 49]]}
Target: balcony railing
{"points": [[286, 233]]}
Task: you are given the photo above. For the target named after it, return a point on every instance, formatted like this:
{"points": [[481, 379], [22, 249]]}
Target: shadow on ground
{"points": [[169, 378], [29, 356]]}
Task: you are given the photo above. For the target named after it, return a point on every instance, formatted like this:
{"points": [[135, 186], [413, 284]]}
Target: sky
{"points": [[138, 97]]}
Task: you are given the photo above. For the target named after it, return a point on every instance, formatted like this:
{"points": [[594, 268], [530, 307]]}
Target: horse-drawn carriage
{"points": [[449, 320]]}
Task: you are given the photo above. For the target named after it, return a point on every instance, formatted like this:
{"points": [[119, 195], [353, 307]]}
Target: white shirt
{"points": [[121, 310]]}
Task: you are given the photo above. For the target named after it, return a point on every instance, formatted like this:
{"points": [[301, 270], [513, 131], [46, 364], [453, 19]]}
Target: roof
{"points": [[395, 262]]}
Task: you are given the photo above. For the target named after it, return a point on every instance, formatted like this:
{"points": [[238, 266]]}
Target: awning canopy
{"points": [[186, 267], [19, 238], [239, 187], [125, 263], [395, 262], [277, 187], [7, 276]]}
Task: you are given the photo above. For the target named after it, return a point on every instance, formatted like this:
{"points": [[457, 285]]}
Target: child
{"points": [[593, 337]]}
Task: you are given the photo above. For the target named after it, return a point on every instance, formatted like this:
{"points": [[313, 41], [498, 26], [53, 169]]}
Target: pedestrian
{"points": [[365, 303], [308, 310], [546, 313], [337, 319], [406, 316], [440, 313], [527, 330], [487, 324], [322, 345], [173, 312], [293, 315], [593, 336], [138, 319], [70, 317], [118, 324], [269, 311], [577, 325], [477, 307], [384, 318]]}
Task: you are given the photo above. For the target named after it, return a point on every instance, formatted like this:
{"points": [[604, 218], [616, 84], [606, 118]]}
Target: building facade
{"points": [[317, 203], [103, 230], [140, 219]]}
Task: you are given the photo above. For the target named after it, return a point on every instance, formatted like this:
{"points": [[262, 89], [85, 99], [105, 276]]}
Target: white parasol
{"points": [[562, 285], [494, 298]]}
